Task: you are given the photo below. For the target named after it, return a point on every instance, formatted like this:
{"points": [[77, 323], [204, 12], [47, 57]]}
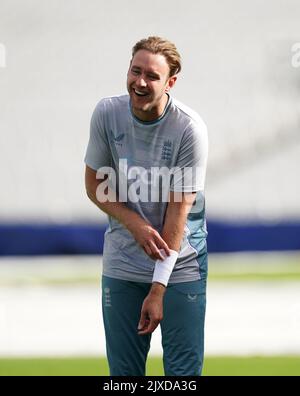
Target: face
{"points": [[147, 83]]}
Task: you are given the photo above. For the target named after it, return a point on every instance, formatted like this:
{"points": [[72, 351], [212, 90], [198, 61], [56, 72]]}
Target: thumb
{"points": [[142, 321]]}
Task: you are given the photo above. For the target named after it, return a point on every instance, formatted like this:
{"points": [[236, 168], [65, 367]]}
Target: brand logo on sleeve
{"points": [[117, 138]]}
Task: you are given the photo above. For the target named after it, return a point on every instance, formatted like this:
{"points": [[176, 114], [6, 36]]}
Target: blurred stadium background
{"points": [[60, 59]]}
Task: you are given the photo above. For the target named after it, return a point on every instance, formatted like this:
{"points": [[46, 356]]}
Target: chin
{"points": [[141, 107]]}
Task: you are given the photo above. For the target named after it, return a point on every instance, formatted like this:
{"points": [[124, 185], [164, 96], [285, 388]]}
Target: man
{"points": [[155, 257]]}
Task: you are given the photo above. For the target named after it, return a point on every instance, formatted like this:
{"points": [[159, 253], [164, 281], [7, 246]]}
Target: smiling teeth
{"points": [[140, 93]]}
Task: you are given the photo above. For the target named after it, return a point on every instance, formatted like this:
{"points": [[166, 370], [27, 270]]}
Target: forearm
{"points": [[173, 231], [175, 219], [105, 199], [119, 211], [172, 234]]}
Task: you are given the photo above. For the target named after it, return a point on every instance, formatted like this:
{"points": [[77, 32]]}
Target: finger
{"points": [[143, 320], [162, 245], [155, 251], [141, 324], [147, 250], [149, 253], [145, 326], [151, 326]]}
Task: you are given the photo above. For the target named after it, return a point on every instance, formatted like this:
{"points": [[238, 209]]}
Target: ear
{"points": [[171, 82]]}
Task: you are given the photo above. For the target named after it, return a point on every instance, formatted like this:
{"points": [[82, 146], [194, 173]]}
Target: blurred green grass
{"points": [[252, 276], [220, 274], [83, 271], [214, 366]]}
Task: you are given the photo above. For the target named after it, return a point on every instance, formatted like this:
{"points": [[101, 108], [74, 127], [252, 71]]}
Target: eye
{"points": [[152, 77], [135, 72]]}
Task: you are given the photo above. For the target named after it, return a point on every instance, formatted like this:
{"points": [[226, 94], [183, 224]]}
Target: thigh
{"points": [[183, 328], [121, 304]]}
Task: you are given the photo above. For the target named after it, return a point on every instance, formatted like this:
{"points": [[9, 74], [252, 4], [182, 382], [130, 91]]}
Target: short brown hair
{"points": [[158, 45]]}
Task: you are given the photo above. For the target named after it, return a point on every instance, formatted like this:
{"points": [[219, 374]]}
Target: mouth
{"points": [[140, 94]]}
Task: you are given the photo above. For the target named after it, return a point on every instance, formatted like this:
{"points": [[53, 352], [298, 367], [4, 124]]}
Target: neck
{"points": [[154, 113]]}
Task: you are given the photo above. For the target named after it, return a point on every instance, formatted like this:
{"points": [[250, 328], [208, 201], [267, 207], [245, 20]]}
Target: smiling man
{"points": [[148, 82], [155, 256]]}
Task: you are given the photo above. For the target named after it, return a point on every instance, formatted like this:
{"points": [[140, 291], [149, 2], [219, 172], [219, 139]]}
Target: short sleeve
{"points": [[190, 170], [98, 152]]}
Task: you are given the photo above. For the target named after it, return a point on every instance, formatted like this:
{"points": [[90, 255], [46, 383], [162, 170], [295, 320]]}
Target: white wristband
{"points": [[164, 268]]}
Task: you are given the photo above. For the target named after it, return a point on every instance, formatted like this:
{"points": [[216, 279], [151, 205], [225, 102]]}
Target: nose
{"points": [[141, 82]]}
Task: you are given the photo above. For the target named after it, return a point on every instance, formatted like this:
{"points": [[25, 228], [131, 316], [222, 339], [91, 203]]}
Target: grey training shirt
{"points": [[149, 159]]}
